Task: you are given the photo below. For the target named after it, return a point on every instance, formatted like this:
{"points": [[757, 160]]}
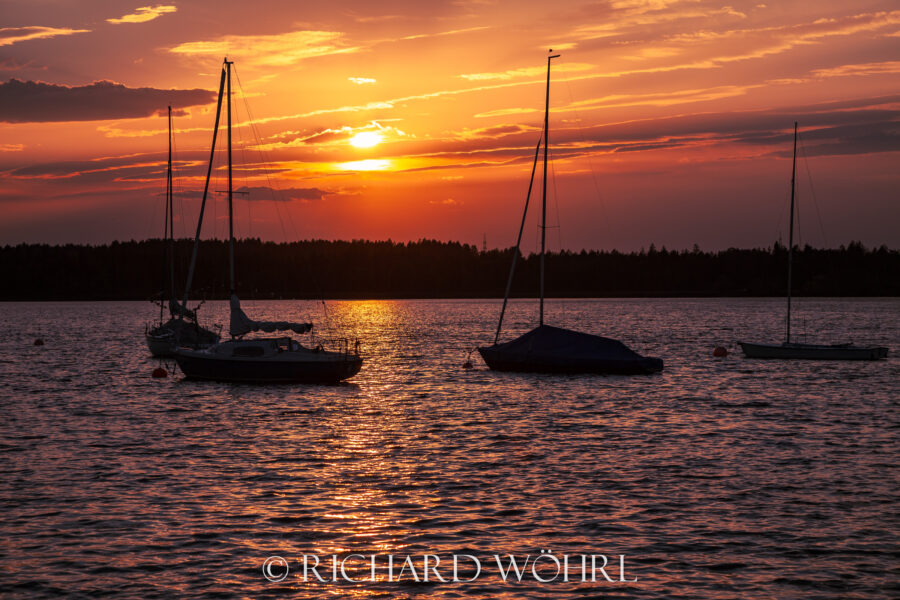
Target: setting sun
{"points": [[365, 139]]}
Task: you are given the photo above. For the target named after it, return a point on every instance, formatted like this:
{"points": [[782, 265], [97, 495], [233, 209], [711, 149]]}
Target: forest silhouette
{"points": [[362, 269]]}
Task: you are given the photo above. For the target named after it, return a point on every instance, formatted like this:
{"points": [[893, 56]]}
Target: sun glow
{"points": [[366, 139], [372, 164]]}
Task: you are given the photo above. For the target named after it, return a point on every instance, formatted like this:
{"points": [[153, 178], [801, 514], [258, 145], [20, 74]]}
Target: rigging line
{"points": [[242, 177], [556, 201], [785, 202], [512, 268], [264, 164], [603, 207], [812, 191]]}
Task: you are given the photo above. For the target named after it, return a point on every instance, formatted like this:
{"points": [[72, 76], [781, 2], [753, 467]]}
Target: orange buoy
{"points": [[160, 372], [720, 352], [38, 342]]}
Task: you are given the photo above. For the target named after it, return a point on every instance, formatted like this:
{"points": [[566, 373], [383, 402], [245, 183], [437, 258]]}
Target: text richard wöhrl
{"points": [[545, 567]]}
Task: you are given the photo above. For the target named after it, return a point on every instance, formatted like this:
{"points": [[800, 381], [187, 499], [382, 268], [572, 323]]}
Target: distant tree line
{"points": [[432, 269]]}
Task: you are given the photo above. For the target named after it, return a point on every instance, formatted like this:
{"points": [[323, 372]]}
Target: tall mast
{"points": [[791, 238], [544, 194], [230, 188], [212, 154], [170, 207]]}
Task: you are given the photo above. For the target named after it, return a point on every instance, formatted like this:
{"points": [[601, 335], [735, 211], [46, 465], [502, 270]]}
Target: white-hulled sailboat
{"points": [[795, 350], [182, 328], [257, 360], [547, 349]]}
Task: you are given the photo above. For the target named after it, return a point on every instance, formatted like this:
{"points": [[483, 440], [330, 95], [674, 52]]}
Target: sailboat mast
{"points": [[544, 193], [791, 239], [230, 188], [170, 207]]}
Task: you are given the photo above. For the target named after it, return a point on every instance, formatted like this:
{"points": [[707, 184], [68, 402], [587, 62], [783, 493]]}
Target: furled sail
{"points": [[242, 324], [177, 309]]}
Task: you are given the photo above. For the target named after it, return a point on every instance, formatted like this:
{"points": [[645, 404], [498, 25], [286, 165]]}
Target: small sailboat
{"points": [[258, 360], [548, 349], [795, 350], [182, 328]]}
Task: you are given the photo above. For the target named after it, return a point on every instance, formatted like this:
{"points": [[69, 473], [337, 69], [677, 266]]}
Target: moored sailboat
{"points": [[548, 349], [795, 350], [258, 360], [182, 328]]}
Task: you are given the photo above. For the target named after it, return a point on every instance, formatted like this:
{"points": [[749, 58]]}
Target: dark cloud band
{"points": [[38, 102]]}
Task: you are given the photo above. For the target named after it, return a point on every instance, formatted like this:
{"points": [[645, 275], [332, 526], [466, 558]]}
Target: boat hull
{"points": [[326, 367], [548, 349], [813, 351], [163, 340], [500, 361], [161, 346]]}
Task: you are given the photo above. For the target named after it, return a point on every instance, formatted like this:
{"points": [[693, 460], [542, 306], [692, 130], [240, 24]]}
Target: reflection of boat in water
{"points": [[547, 349], [261, 360], [182, 328], [795, 350]]}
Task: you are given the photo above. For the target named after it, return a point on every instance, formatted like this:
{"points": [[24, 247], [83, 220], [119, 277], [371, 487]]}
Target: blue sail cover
{"points": [[555, 350]]}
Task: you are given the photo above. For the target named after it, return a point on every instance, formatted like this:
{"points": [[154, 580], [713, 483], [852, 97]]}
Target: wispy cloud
{"points": [[279, 49], [502, 112], [526, 72], [264, 192], [876, 68], [144, 14], [12, 35], [440, 33], [361, 80], [494, 131]]}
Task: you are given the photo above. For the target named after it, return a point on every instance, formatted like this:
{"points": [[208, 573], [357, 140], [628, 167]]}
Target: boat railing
{"points": [[345, 346]]}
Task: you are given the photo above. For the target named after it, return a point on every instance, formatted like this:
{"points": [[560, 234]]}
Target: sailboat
{"points": [[795, 350], [182, 328], [548, 349], [266, 359]]}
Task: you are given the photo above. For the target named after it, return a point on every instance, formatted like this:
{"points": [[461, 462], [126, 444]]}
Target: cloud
{"points": [[279, 49], [361, 80], [39, 102], [502, 112], [877, 68], [526, 72], [495, 131], [13, 64], [144, 14], [11, 147], [11, 35], [281, 194], [331, 135]]}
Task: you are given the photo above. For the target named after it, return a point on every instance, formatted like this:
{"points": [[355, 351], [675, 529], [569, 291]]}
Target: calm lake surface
{"points": [[726, 478]]}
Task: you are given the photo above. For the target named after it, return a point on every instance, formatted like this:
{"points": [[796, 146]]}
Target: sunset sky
{"points": [[671, 120]]}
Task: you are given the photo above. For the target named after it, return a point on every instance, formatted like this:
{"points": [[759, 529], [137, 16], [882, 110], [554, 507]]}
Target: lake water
{"points": [[727, 478]]}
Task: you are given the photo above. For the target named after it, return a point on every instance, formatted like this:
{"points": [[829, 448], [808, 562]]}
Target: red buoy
{"points": [[160, 372], [720, 352], [38, 342]]}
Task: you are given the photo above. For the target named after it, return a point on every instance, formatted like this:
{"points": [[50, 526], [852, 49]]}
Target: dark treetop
{"points": [[433, 269]]}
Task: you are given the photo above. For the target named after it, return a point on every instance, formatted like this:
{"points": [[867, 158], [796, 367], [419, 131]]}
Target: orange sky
{"points": [[670, 120]]}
